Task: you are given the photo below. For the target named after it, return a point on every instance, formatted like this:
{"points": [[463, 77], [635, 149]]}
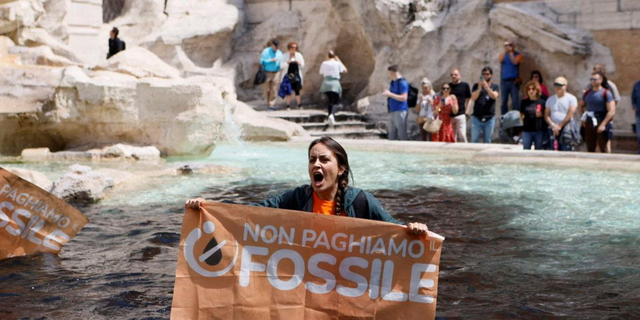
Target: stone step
{"points": [[350, 134], [340, 125], [311, 116]]}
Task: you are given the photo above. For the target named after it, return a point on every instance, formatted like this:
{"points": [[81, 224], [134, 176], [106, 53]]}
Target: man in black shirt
{"points": [[462, 91], [115, 44], [484, 95]]}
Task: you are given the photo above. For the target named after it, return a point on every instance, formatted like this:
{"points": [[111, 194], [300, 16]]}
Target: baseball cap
{"points": [[561, 81]]}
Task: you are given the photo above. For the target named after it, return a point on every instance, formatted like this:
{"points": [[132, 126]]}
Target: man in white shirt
{"points": [[559, 112]]}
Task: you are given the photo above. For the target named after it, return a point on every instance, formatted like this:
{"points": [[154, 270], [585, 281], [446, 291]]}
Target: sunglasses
{"points": [[486, 74], [558, 85], [446, 88], [594, 79], [294, 47], [532, 89]]}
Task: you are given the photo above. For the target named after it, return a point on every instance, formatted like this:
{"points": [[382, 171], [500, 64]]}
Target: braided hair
{"points": [[343, 163]]}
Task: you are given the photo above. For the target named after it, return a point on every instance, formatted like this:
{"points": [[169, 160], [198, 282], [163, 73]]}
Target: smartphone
{"points": [[481, 78], [539, 108]]}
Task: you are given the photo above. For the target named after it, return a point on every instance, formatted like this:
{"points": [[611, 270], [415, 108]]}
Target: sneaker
{"points": [[332, 120], [272, 109]]}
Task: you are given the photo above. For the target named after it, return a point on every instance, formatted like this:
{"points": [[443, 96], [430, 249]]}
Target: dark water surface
{"points": [[122, 265]]}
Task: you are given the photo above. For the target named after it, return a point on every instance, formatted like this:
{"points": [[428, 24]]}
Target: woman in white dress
{"points": [[293, 64]]}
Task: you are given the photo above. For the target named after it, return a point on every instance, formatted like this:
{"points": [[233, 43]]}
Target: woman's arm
{"points": [[300, 59], [280, 201], [454, 104], [284, 62], [284, 200], [378, 213]]}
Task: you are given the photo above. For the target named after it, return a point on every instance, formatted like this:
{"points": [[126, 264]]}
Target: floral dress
{"points": [[446, 133]]}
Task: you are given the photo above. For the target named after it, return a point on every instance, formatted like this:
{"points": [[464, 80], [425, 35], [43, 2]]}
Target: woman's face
{"points": [[532, 92], [323, 169], [293, 48], [426, 89], [446, 90], [535, 77]]}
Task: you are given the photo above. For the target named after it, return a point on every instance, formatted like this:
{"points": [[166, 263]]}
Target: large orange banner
{"points": [[33, 220], [242, 262]]}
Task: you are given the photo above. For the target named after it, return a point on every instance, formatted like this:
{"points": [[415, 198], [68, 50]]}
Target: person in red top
{"points": [[537, 77], [445, 105]]}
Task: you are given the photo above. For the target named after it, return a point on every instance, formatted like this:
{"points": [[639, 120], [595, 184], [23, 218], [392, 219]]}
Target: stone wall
{"points": [[84, 20]]}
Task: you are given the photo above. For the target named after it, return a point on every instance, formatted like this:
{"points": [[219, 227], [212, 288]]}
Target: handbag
{"points": [[261, 77], [294, 78], [432, 125]]}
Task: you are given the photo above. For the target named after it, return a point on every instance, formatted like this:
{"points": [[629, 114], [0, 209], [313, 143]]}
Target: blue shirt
{"points": [[596, 101], [400, 86], [510, 71], [635, 98], [268, 54]]}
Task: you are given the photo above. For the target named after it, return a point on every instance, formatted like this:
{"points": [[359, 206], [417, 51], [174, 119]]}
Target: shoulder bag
{"points": [[432, 125]]}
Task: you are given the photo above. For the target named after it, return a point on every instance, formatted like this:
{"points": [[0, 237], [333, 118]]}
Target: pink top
{"points": [[544, 90]]}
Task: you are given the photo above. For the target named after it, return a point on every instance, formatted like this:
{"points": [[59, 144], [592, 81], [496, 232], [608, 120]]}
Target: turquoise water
{"points": [[558, 201], [522, 241]]}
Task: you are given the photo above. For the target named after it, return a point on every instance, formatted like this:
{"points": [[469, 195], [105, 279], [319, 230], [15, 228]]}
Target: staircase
{"points": [[348, 124]]}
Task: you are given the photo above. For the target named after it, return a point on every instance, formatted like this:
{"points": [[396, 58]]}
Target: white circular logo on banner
{"points": [[212, 254]]}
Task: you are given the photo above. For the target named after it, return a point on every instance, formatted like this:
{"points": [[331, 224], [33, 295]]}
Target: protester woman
{"points": [[532, 114], [331, 69], [424, 108], [444, 107], [537, 77], [293, 62], [329, 192]]}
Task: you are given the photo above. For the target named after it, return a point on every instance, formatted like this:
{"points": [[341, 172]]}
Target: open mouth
{"points": [[317, 178]]}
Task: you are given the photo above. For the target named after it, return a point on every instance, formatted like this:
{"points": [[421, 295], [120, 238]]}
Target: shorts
{"points": [[296, 87]]}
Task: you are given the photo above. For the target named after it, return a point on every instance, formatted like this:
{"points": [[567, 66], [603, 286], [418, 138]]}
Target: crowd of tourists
{"points": [[291, 65], [540, 120]]}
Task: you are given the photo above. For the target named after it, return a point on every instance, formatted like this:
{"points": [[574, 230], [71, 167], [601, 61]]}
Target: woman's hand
{"points": [[417, 228], [193, 204]]}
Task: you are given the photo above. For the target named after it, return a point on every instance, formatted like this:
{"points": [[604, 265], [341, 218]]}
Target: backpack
{"points": [[604, 94], [361, 205], [412, 96]]}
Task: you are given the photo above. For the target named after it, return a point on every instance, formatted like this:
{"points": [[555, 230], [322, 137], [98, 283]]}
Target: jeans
{"points": [[509, 88], [460, 127], [398, 125], [486, 127], [528, 138], [638, 130], [561, 146]]}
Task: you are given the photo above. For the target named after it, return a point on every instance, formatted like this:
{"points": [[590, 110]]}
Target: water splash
{"points": [[231, 131]]}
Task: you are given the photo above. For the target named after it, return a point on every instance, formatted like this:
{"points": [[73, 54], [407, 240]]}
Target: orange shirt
{"points": [[322, 206]]}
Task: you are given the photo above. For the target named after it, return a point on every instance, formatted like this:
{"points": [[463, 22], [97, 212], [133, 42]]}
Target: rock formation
{"points": [[80, 184], [187, 61], [49, 98]]}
